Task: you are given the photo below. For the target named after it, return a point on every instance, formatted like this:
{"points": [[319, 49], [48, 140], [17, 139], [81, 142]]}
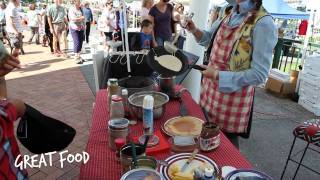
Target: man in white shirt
{"points": [[2, 19], [13, 26]]}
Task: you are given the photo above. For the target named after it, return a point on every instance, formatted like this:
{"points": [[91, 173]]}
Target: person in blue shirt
{"points": [[87, 13], [145, 39]]}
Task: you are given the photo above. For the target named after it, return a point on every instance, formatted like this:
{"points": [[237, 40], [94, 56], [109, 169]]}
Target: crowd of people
{"points": [[50, 25]]}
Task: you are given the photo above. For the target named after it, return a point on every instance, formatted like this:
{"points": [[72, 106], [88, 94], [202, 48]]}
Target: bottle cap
{"points": [[124, 92], [148, 102], [116, 98], [208, 172], [119, 142], [113, 80]]}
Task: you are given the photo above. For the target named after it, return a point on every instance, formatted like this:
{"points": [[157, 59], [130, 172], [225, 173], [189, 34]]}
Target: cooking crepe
{"points": [[169, 62]]}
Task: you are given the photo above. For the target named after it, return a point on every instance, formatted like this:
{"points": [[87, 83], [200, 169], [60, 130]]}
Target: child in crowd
{"points": [[145, 39]]}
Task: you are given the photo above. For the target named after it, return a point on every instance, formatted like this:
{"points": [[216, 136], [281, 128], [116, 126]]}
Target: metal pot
{"points": [[167, 85], [136, 101], [136, 84]]}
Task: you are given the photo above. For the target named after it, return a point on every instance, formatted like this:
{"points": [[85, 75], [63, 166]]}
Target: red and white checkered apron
{"points": [[231, 111]]}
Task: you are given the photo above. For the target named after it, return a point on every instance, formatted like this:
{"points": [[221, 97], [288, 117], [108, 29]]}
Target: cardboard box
{"points": [[278, 87]]}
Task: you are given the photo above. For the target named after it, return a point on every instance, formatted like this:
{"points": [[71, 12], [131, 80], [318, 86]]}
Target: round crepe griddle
{"points": [[156, 66]]}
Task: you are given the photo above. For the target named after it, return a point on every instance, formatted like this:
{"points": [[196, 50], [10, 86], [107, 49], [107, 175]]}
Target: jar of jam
{"points": [[210, 136]]}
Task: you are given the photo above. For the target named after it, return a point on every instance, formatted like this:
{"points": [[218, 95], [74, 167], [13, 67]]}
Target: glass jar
{"points": [[113, 88], [116, 107]]}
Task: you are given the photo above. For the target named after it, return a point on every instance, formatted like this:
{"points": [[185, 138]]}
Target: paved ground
{"points": [[57, 88]]}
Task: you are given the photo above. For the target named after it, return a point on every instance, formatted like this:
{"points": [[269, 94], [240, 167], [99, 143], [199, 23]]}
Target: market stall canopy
{"points": [[280, 9]]}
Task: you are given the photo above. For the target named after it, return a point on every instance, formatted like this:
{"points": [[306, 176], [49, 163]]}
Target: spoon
{"points": [[134, 155]]}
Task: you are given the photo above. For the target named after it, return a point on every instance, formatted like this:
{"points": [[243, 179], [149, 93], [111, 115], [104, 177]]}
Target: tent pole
{"points": [[305, 46], [126, 41]]}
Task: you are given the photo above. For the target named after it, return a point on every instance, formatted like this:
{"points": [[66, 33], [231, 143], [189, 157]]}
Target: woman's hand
{"points": [[191, 27], [210, 72]]}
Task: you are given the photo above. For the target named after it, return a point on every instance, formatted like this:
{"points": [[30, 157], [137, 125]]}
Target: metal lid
{"points": [[142, 173], [120, 123], [116, 98]]}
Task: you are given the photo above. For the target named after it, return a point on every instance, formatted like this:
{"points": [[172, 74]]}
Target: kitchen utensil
{"points": [[175, 162], [136, 100], [149, 162], [146, 142], [247, 174], [160, 51], [142, 173], [193, 155], [134, 154], [183, 108], [153, 140], [168, 85], [136, 84], [183, 126], [126, 156]]}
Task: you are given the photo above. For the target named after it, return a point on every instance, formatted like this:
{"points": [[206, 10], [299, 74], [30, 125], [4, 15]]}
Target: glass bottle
{"points": [[116, 107], [113, 88]]}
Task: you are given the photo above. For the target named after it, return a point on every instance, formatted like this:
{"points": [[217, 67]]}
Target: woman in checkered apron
{"points": [[240, 46]]}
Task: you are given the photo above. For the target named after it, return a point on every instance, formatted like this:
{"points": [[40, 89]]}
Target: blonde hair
{"points": [[144, 2]]}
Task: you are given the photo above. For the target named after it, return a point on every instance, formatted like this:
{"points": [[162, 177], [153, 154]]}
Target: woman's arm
{"points": [[265, 37]]}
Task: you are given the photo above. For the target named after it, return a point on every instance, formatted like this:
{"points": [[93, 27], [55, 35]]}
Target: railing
{"points": [[288, 54]]}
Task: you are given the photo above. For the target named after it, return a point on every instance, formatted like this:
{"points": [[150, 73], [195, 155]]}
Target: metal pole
{"points": [[125, 27], [305, 46]]}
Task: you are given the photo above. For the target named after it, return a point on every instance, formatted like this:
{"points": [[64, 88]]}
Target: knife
{"points": [[193, 155]]}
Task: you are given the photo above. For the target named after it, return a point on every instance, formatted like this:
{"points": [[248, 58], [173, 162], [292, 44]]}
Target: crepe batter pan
{"points": [[156, 66]]}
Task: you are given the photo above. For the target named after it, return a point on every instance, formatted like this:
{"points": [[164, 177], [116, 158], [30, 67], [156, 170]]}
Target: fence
{"points": [[288, 54]]}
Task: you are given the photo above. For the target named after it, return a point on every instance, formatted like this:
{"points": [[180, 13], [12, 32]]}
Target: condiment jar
{"points": [[118, 128], [124, 94], [209, 137], [113, 88], [116, 107]]}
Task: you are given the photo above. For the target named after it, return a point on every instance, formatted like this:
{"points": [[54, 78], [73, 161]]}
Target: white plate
{"points": [[181, 159]]}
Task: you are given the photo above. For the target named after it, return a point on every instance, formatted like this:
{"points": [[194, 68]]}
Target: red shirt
{"points": [[9, 149], [303, 27]]}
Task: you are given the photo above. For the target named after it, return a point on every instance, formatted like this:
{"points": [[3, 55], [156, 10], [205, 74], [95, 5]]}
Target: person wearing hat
{"points": [[239, 52], [10, 111]]}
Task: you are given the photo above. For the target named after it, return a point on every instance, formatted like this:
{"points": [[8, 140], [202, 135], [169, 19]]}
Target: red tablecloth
{"points": [[103, 164]]}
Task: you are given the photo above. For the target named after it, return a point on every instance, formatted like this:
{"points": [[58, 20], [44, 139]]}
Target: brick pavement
{"points": [[57, 88]]}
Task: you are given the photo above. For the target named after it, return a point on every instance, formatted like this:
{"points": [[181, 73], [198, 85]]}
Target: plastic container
{"points": [[116, 107], [124, 94]]}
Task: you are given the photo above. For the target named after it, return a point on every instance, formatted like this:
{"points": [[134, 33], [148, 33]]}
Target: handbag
{"points": [[41, 134]]}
